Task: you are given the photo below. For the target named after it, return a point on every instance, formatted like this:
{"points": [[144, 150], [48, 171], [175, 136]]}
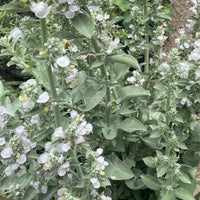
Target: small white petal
{"points": [[43, 98], [9, 171], [43, 158], [2, 110], [16, 33], [73, 114], [63, 61], [69, 14], [22, 159], [40, 9], [44, 189], [2, 141], [6, 152], [59, 132]]}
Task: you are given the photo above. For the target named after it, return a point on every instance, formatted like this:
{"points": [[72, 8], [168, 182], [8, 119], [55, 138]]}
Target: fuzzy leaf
{"points": [[117, 169], [149, 161], [151, 182], [184, 194], [132, 124], [14, 7], [131, 91], [91, 99], [184, 178], [83, 23], [124, 59]]}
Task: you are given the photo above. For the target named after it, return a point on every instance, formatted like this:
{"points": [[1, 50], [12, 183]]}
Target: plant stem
{"points": [[113, 82], [50, 74], [104, 73], [146, 68], [77, 167]]}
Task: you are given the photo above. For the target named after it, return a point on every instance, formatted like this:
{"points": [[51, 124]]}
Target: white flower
{"points": [[63, 61], [103, 197], [59, 132], [99, 151], [62, 1], [131, 79], [84, 129], [35, 184], [95, 182], [63, 169], [99, 17], [113, 45], [40, 9], [35, 119], [43, 158], [44, 189], [69, 14], [73, 114], [74, 8], [28, 105], [2, 110], [31, 82], [63, 147], [197, 73], [16, 33], [6, 152], [2, 141], [61, 191], [19, 130], [101, 161], [80, 139], [22, 159], [48, 146], [43, 98], [72, 76], [9, 171], [186, 100]]}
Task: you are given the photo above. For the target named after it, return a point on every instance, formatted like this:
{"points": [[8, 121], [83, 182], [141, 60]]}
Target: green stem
{"points": [[146, 68], [104, 73], [77, 167], [113, 82], [50, 74]]}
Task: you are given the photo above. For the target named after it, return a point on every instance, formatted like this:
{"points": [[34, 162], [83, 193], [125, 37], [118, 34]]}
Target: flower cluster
{"points": [[15, 150]]}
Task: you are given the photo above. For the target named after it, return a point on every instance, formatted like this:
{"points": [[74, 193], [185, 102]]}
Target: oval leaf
{"points": [[132, 124], [150, 181], [83, 23], [94, 100], [117, 169], [124, 59], [131, 91]]}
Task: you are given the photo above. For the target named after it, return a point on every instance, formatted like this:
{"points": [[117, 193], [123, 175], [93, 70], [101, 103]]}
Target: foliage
{"points": [[85, 126]]}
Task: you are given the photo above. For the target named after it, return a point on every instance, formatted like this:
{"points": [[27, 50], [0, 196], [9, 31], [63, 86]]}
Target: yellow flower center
{"points": [[18, 155], [73, 84], [23, 98], [72, 67], [62, 198], [77, 120], [64, 41], [185, 73], [23, 1], [42, 53], [46, 109], [102, 173], [47, 164], [60, 182], [69, 143]]}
